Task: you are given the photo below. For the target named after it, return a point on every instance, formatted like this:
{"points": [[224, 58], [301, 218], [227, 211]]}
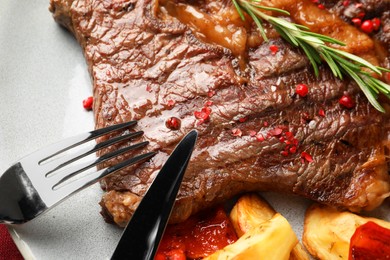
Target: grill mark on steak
{"points": [[139, 62]]}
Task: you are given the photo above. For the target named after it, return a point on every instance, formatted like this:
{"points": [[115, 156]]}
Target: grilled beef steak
{"points": [[172, 66]]}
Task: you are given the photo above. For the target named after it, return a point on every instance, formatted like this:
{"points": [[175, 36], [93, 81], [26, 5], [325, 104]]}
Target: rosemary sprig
{"points": [[314, 45]]}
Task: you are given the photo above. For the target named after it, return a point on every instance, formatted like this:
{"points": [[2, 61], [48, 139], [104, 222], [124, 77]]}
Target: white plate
{"points": [[43, 80]]}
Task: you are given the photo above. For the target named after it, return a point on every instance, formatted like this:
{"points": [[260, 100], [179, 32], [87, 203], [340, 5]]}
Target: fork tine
{"points": [[85, 181], [58, 164], [71, 142], [68, 173]]}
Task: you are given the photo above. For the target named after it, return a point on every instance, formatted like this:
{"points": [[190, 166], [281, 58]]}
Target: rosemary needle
{"points": [[314, 45]]}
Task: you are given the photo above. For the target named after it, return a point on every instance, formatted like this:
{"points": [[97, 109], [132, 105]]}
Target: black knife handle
{"points": [[143, 233]]}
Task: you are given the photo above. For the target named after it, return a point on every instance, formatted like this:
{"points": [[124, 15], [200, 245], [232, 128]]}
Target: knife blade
{"points": [[143, 233]]}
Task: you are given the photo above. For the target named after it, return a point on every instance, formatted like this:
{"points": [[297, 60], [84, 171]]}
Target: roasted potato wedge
{"points": [[250, 211], [299, 253], [272, 239], [327, 232]]}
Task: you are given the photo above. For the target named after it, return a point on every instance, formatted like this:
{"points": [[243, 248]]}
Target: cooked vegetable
{"points": [[327, 232], [272, 239], [299, 253], [370, 241], [251, 211], [264, 234], [197, 237]]}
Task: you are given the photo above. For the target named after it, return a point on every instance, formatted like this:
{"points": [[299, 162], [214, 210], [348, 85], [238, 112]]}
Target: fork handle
{"points": [[19, 201]]}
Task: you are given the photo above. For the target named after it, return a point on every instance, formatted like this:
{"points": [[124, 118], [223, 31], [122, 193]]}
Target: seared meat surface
{"points": [[150, 62]]}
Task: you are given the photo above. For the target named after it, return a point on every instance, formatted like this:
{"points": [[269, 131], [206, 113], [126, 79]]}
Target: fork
{"points": [[40, 181]]}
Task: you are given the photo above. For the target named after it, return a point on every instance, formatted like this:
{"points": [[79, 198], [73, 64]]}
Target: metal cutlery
{"points": [[143, 233], [37, 182]]}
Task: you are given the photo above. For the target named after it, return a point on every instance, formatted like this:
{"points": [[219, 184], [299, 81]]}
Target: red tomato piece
{"points": [[198, 237], [370, 241]]}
